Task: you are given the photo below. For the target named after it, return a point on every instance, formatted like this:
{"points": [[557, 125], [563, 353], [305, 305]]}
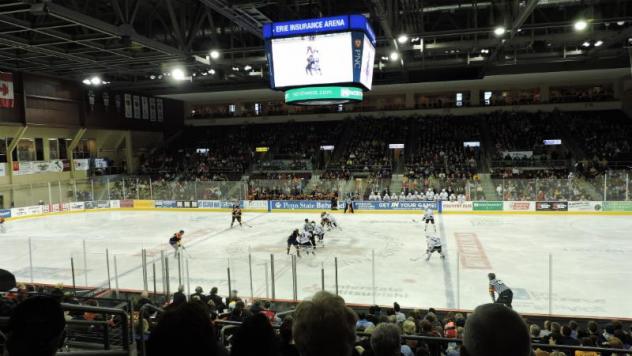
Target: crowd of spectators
{"points": [[539, 184], [322, 325]]}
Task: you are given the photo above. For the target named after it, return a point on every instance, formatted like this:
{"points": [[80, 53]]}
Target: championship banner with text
{"points": [[551, 206]]}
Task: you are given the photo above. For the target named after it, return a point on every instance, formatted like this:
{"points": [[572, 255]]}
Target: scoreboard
{"points": [[331, 51]]}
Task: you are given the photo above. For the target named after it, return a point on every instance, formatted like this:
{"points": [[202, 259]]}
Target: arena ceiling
{"points": [[129, 42]]}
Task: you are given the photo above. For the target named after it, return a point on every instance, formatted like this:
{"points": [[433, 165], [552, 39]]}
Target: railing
{"points": [[530, 163]]}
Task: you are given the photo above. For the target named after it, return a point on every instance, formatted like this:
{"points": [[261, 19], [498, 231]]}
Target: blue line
{"points": [[447, 275]]}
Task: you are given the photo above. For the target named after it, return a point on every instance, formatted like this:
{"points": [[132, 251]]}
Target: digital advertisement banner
{"points": [[456, 206], [617, 206], [215, 204], [300, 204], [165, 203], [551, 206], [5, 213], [394, 205], [585, 206], [487, 206], [254, 204], [519, 206]]}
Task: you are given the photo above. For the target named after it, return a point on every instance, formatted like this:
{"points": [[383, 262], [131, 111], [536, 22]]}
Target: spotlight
{"points": [[402, 38], [247, 67], [211, 71], [204, 73], [194, 74], [499, 31], [586, 44], [235, 69], [86, 81], [160, 76], [620, 23], [580, 25], [394, 56], [152, 77], [598, 43], [214, 54], [95, 80], [384, 58], [177, 74]]}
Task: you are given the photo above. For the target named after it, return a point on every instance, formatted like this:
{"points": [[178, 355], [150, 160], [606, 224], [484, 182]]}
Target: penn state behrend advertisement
{"points": [[312, 60]]}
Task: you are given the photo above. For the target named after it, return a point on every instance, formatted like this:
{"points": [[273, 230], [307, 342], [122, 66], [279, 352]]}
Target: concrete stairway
{"points": [[488, 187]]}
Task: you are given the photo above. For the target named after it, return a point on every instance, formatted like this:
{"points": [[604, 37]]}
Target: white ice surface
{"points": [[591, 257]]}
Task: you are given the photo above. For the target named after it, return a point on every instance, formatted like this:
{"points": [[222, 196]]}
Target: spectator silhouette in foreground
{"points": [[184, 330], [386, 341], [495, 330], [324, 326], [255, 337], [36, 328]]}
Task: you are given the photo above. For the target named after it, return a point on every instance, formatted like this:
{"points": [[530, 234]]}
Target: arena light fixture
{"points": [[152, 77], [177, 74], [214, 54], [95, 80], [86, 81], [394, 56], [598, 43], [586, 44], [580, 25], [499, 31], [211, 71], [402, 38], [620, 23], [247, 67]]}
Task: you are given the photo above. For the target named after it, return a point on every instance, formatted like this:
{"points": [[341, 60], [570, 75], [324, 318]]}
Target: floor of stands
{"points": [[591, 257]]}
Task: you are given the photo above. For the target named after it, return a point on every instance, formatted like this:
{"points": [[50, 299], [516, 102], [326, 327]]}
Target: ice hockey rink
{"points": [[570, 265]]}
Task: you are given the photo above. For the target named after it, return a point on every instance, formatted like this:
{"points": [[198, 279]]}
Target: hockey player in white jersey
{"points": [[305, 243], [327, 220], [434, 245], [318, 233], [429, 218]]}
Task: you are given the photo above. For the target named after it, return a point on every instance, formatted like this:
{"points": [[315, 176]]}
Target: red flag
{"points": [[6, 90]]}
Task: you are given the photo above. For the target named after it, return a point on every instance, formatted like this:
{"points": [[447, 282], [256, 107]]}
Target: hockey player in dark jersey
{"points": [[236, 215], [292, 240], [496, 286], [176, 241]]}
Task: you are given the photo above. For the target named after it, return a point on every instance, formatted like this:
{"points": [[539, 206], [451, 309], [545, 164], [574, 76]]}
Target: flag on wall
{"points": [[128, 106], [145, 105], [152, 109], [6, 90], [136, 102]]}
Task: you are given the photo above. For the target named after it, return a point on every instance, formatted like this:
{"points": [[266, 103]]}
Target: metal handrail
{"points": [[102, 310]]}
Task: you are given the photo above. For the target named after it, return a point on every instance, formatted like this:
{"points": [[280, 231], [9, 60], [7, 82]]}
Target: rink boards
{"points": [[360, 207]]}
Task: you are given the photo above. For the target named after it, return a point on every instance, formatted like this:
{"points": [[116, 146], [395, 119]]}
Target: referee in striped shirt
{"points": [[505, 295]]}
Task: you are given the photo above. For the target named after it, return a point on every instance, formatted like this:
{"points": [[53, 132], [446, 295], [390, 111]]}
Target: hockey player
{"points": [[292, 240], [434, 245], [328, 221], [308, 226], [236, 215], [429, 218], [318, 232], [505, 295], [176, 241], [305, 242]]}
